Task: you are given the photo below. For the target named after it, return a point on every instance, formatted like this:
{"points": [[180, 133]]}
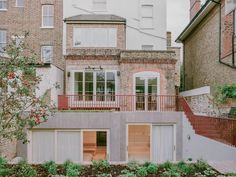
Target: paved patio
{"points": [[224, 166]]}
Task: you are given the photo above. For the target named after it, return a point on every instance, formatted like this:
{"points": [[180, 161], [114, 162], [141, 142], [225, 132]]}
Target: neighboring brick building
{"points": [[209, 55], [43, 20]]}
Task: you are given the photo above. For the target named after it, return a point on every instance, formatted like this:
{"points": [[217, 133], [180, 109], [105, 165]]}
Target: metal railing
{"points": [[126, 103]]}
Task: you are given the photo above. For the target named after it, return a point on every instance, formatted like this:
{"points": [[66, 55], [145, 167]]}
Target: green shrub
{"points": [[167, 165], [170, 173], [59, 176], [72, 169], [24, 169], [152, 168], [128, 174], [142, 172], [224, 92], [104, 175], [201, 165], [133, 165], [51, 167], [101, 165], [4, 170], [184, 168]]}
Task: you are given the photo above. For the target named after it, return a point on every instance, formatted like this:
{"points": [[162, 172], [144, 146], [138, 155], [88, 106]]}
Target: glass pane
{"points": [[79, 76], [20, 3], [100, 76], [3, 5], [94, 146], [110, 76], [88, 76]]}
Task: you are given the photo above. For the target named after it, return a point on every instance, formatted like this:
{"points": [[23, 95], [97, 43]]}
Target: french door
{"points": [[146, 93]]}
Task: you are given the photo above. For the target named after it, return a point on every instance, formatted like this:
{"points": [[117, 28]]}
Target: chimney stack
{"points": [[195, 6], [169, 39]]}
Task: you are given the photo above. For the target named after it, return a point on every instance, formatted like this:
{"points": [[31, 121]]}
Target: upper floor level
{"points": [[145, 20]]}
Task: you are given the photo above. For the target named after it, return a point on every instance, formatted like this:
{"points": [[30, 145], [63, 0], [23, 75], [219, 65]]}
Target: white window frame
{"points": [[95, 2], [3, 42], [94, 81], [42, 57], [17, 3], [146, 17], [42, 23], [2, 1]]}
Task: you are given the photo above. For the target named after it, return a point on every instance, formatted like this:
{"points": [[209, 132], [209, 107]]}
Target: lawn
{"points": [[104, 169]]}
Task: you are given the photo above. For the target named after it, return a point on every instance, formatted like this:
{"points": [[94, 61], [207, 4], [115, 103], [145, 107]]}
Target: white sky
{"points": [[177, 17]]}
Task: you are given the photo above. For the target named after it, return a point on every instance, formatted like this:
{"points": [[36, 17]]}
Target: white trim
{"points": [[42, 15], [198, 91]]}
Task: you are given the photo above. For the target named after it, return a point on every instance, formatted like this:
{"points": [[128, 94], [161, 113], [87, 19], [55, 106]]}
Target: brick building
{"points": [[209, 45]]}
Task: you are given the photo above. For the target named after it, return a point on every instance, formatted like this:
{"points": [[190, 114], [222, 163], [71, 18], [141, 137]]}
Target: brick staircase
{"points": [[219, 129]]}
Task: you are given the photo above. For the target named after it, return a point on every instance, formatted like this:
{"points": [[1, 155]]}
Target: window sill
{"points": [[3, 10], [47, 27]]}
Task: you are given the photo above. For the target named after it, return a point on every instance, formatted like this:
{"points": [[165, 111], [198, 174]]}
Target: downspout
{"points": [[220, 42]]}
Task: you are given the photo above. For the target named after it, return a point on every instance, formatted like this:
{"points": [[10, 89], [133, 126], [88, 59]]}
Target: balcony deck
{"points": [[123, 103]]}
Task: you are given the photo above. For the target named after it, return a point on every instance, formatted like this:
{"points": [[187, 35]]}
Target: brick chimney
{"points": [[168, 39], [195, 6]]}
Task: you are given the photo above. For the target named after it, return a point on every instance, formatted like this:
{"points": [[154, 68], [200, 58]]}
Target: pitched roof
{"points": [[206, 8], [93, 18]]}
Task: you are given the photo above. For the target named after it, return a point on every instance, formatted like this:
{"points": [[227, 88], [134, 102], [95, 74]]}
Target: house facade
{"points": [[209, 45]]}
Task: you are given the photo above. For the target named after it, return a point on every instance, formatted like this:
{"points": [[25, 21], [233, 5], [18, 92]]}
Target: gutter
{"points": [[196, 20]]}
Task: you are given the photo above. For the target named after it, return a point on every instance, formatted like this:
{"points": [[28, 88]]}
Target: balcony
{"points": [[124, 103]]}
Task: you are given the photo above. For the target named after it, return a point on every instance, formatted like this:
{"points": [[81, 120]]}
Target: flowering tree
{"points": [[20, 108]]}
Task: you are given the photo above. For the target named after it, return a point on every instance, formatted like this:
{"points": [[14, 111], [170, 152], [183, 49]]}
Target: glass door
{"points": [[146, 93]]}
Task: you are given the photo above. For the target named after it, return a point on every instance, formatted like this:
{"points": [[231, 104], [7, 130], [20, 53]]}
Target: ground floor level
{"points": [[119, 137]]}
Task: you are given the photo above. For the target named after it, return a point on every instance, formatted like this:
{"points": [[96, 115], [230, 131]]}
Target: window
{"points": [[47, 16], [95, 37], [147, 47], [19, 3], [47, 54], [3, 4], [18, 40], [147, 16], [230, 5], [100, 83], [99, 5], [3, 40]]}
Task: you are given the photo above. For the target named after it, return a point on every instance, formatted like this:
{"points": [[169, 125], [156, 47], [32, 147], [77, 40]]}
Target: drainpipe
{"points": [[233, 56]]}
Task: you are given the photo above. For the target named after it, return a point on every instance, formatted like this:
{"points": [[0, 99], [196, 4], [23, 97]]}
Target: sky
{"points": [[177, 17]]}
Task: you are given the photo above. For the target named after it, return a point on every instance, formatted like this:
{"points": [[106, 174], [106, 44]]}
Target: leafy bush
{"points": [[224, 92], [4, 170], [101, 165], [142, 172], [133, 165], [59, 176], [152, 168], [186, 169], [170, 173], [167, 165], [51, 167], [201, 165], [127, 174], [72, 169], [24, 169], [104, 175]]}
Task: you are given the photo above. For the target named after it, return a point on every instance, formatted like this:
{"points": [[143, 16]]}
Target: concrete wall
{"points": [[136, 37], [115, 122], [198, 147], [201, 55], [51, 76]]}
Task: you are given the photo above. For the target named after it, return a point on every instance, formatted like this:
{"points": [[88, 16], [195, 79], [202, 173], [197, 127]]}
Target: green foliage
{"points": [[104, 175], [167, 165], [186, 169], [101, 165], [201, 165], [24, 169], [72, 169], [18, 85], [133, 165], [51, 167], [4, 170], [127, 173], [59, 176], [152, 168], [142, 172], [170, 173], [224, 92]]}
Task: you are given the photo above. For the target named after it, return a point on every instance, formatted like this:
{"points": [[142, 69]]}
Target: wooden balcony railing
{"points": [[125, 103]]}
